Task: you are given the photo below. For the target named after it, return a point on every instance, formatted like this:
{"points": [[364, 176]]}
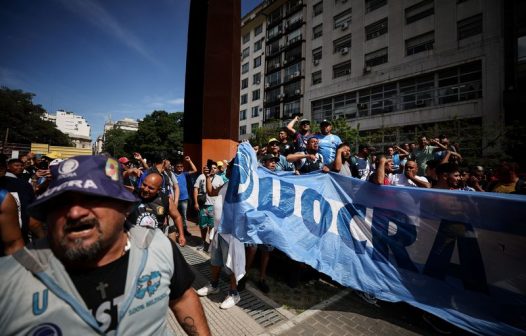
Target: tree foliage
{"points": [[24, 120], [159, 133]]}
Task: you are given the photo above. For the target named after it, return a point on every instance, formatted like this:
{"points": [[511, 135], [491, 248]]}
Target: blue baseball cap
{"points": [[95, 175]]}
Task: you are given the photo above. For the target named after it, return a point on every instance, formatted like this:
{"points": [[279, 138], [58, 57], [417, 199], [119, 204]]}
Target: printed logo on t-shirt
{"points": [[147, 220], [48, 329], [148, 284]]}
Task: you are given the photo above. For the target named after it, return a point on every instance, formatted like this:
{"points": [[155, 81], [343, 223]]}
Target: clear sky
{"points": [[118, 58]]}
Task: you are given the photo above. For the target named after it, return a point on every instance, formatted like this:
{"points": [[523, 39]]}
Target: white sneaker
{"points": [[230, 301], [208, 289]]}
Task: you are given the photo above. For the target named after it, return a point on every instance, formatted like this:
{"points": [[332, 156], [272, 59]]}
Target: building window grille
{"points": [[258, 30], [291, 108], [255, 94], [343, 19], [341, 69], [256, 78], [257, 62], [469, 27], [242, 114], [376, 29], [317, 54], [371, 5], [419, 11], [317, 31], [273, 78], [258, 45], [342, 43], [244, 68], [317, 9], [244, 99], [420, 43], [316, 77], [242, 130], [245, 53], [255, 112], [246, 38], [292, 71], [376, 57], [244, 83]]}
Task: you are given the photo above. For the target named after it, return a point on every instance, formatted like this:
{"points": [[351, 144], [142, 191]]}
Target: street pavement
{"points": [[344, 313]]}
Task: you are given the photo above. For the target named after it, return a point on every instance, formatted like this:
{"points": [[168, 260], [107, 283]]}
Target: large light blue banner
{"points": [[458, 255]]}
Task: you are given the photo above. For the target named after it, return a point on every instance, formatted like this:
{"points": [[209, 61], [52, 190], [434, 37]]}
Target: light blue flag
{"points": [[458, 255]]}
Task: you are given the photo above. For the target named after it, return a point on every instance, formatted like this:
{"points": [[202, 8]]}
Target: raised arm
{"points": [[290, 125], [193, 168]]}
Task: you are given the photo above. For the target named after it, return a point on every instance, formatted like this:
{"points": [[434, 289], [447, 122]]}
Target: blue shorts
{"points": [[219, 254], [206, 216]]}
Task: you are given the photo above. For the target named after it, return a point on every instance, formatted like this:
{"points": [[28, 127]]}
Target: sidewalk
{"points": [[342, 313]]}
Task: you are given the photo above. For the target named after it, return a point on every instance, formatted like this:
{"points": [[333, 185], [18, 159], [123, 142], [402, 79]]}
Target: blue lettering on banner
{"points": [[38, 306]]}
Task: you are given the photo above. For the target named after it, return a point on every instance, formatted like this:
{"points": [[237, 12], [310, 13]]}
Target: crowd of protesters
{"points": [[165, 191]]}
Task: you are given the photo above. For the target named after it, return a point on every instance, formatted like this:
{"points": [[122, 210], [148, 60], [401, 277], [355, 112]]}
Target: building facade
{"points": [[382, 64], [75, 126]]}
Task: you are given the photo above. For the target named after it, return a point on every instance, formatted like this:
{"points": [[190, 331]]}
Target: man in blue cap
{"points": [[91, 276]]}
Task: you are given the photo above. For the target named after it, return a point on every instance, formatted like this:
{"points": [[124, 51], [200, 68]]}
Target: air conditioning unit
{"points": [[344, 51], [286, 25], [285, 62], [260, 109], [296, 74], [344, 26], [420, 103], [316, 62], [256, 82], [298, 91], [366, 69], [267, 85], [362, 106], [277, 65]]}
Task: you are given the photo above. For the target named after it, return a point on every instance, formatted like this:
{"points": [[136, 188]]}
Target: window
{"points": [[244, 99], [342, 45], [246, 38], [343, 20], [460, 83], [258, 30], [317, 9], [341, 69], [293, 54], [273, 79], [271, 113], [417, 92], [420, 43], [469, 27], [257, 62], [255, 95], [255, 112], [376, 57], [292, 108], [254, 127], [242, 114], [317, 31], [244, 68], [292, 71], [376, 29], [245, 53], [377, 100], [244, 83], [294, 36], [316, 55], [258, 45], [371, 5], [242, 130], [316, 77], [273, 95], [419, 11], [292, 89], [273, 32], [256, 78]]}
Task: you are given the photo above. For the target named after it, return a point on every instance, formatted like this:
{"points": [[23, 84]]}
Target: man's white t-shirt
{"points": [[402, 180]]}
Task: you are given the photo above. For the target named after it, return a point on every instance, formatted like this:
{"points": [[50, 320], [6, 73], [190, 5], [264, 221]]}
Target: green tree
{"points": [[117, 142], [160, 132], [24, 120]]}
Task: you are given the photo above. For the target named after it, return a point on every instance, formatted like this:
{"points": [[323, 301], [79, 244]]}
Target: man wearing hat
{"points": [[302, 135], [273, 148], [91, 276], [328, 142]]}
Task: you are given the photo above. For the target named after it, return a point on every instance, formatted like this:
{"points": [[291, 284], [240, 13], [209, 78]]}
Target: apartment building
{"points": [[380, 64]]}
